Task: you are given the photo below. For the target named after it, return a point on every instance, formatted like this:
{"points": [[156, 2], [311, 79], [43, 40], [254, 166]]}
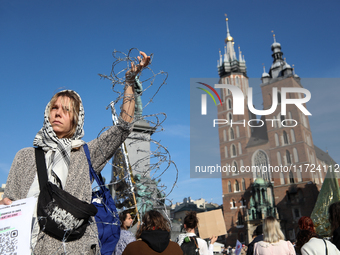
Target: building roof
{"points": [[323, 156]]}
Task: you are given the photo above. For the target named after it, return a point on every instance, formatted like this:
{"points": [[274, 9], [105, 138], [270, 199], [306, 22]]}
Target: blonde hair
{"points": [[272, 232], [73, 108]]}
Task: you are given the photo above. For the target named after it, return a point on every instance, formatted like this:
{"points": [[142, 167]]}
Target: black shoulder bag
{"points": [[61, 215]]}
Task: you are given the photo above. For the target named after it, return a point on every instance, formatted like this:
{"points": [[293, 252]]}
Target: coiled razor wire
{"points": [[159, 157]]}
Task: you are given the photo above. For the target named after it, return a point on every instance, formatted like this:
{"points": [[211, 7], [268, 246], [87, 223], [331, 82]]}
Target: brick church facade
{"points": [[270, 140]]}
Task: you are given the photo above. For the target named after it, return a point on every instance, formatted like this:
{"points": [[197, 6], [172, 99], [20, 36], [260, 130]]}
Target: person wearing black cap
{"points": [[258, 233]]}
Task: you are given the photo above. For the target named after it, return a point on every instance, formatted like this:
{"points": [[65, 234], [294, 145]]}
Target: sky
{"points": [[48, 45]]}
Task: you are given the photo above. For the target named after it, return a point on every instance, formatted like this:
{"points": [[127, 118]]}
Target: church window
{"points": [[275, 122], [243, 185], [289, 161], [237, 186], [231, 135], [276, 139], [234, 203], [237, 81], [278, 155], [224, 135], [285, 137], [239, 219], [233, 149], [229, 104], [239, 148], [292, 134], [230, 117], [291, 177], [296, 156], [260, 159], [290, 116], [279, 97], [235, 170], [229, 187], [225, 151], [282, 117], [282, 178], [237, 132]]}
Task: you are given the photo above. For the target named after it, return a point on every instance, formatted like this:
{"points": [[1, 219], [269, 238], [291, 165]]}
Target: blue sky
{"points": [[46, 45]]}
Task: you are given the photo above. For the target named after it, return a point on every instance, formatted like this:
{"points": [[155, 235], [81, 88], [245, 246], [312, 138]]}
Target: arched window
{"points": [[239, 219], [224, 135], [225, 151], [275, 122], [229, 187], [278, 155], [243, 185], [290, 116], [285, 137], [229, 106], [282, 178], [237, 132], [288, 158], [277, 143], [231, 134], [237, 186], [239, 149], [233, 149], [282, 117], [260, 160], [230, 116], [291, 177], [235, 167], [237, 81], [233, 202], [296, 156], [292, 135]]}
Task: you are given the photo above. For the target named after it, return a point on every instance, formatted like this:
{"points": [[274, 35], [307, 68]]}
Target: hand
{"points": [[135, 69], [213, 239], [5, 201]]}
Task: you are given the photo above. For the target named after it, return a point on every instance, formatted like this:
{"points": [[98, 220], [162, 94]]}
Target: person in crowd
{"points": [[190, 223], [243, 250], [153, 237], [306, 223], [66, 162], [126, 236], [258, 236], [334, 220], [312, 244], [273, 240]]}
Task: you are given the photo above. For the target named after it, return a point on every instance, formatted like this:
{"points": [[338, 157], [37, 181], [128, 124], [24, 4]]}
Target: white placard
{"points": [[15, 226]]}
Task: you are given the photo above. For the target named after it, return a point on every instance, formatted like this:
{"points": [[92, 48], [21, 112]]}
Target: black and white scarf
{"points": [[58, 151]]}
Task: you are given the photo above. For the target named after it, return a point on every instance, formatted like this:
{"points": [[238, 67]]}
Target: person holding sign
{"points": [[189, 239], [66, 162]]}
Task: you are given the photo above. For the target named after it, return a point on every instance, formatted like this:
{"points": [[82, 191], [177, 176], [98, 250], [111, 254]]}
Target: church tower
{"points": [[283, 141], [233, 139]]}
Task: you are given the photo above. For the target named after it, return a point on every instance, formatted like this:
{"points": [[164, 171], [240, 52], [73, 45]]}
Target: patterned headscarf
{"points": [[58, 151]]}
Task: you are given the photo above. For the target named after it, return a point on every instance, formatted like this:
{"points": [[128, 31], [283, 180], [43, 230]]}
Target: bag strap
{"points": [[195, 241], [41, 167], [326, 246], [98, 178]]}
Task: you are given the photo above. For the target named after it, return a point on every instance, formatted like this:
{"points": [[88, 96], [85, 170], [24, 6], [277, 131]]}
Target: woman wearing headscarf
{"points": [[66, 162]]}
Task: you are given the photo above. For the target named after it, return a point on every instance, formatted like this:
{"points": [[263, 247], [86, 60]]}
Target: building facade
{"points": [[251, 145]]}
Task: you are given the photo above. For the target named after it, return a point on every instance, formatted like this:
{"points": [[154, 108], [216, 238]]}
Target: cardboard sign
{"points": [[211, 224]]}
